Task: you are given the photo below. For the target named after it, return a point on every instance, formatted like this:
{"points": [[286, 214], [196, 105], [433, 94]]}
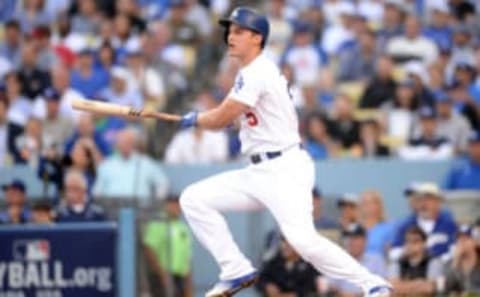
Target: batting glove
{"points": [[189, 120]]}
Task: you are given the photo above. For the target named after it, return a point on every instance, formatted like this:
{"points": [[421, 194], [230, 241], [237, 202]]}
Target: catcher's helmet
{"points": [[247, 18]]}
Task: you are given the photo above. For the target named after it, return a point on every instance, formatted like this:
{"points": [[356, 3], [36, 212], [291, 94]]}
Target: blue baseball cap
{"points": [[15, 184]]}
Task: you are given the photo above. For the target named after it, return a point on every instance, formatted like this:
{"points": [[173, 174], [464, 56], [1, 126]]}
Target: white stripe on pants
{"points": [[284, 186]]}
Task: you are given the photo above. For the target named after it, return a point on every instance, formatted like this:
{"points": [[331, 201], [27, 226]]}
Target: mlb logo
{"points": [[31, 250]]}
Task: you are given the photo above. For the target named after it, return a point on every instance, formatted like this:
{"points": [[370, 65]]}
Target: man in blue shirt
{"points": [[87, 79], [77, 207], [16, 212], [466, 174], [437, 223]]}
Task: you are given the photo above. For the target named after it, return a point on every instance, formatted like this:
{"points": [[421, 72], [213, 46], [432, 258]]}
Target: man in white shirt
{"points": [[412, 46]]}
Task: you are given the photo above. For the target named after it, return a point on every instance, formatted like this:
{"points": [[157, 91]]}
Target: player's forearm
{"points": [[213, 119]]}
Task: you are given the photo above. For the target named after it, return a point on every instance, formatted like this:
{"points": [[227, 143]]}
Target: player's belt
{"points": [[258, 158]]}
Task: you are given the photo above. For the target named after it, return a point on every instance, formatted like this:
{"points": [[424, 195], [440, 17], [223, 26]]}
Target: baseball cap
{"points": [[354, 230], [51, 94], [426, 112], [429, 188], [15, 184], [347, 198], [440, 6], [176, 3]]}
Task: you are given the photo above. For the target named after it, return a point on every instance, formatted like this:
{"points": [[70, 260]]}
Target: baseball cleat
{"points": [[228, 288], [380, 291]]}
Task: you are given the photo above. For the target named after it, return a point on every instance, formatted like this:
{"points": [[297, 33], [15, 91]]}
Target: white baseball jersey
{"points": [[271, 123]]}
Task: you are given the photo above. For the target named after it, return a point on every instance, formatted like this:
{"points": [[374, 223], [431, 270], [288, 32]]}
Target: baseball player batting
{"points": [[280, 176]]}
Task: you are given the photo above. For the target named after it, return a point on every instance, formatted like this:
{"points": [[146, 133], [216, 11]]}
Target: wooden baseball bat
{"points": [[113, 109]]}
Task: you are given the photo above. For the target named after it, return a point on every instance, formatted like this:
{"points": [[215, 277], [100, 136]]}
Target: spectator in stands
{"points": [[370, 146], [45, 108], [83, 159], [438, 225], [281, 29], [451, 124], [42, 213], [15, 211], [34, 80], [462, 51], [418, 74], [400, 113], [77, 205], [19, 111], [381, 87], [124, 35], [354, 240], [336, 35], [31, 14], [440, 30], [47, 57], [372, 217], [348, 208], [119, 91], [30, 144], [357, 62], [463, 274], [287, 274], [318, 142], [466, 175], [87, 19], [106, 56], [198, 146], [56, 126], [428, 144], [86, 130], [4, 157], [344, 128], [183, 32], [128, 173], [462, 91], [412, 45], [303, 55], [145, 78], [131, 9], [85, 78], [392, 23], [168, 248], [417, 271], [10, 47]]}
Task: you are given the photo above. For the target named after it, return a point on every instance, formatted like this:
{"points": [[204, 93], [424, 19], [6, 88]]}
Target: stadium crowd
{"points": [[369, 79]]}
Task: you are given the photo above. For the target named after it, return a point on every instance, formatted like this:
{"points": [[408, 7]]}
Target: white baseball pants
{"points": [[284, 186]]}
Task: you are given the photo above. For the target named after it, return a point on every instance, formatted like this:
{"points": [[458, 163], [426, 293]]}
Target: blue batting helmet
{"points": [[249, 19]]}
